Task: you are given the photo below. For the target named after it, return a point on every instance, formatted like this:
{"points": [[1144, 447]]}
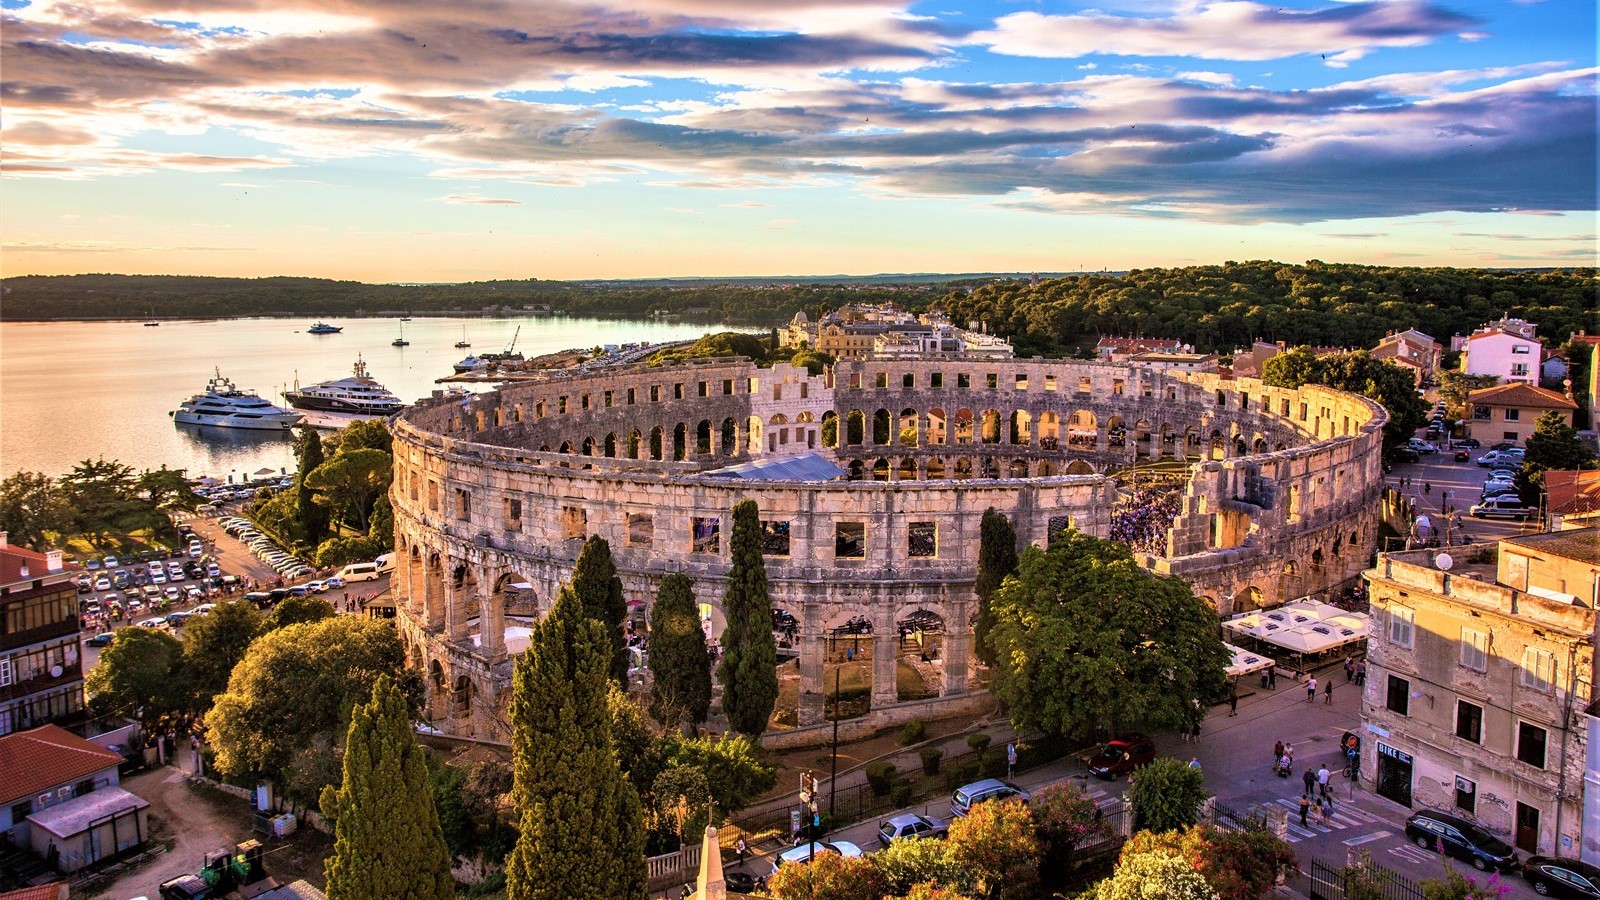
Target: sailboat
{"points": [[401, 340], [151, 322], [463, 342]]}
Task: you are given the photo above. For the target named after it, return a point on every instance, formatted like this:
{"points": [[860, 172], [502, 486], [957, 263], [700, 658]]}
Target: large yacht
{"points": [[324, 328], [359, 394], [225, 406]]}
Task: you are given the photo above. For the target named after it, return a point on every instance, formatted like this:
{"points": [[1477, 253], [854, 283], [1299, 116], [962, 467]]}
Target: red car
{"points": [[1122, 756]]}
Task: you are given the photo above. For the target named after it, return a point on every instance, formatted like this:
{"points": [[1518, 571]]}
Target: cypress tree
{"points": [[679, 659], [581, 834], [997, 558], [312, 516], [387, 840], [599, 591], [748, 670]]}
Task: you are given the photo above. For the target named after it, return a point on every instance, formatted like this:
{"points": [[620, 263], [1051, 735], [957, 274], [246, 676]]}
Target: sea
{"points": [[71, 391]]}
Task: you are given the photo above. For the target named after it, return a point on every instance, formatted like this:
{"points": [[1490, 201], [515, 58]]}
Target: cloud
{"points": [[1230, 29], [473, 199], [748, 204], [1584, 238]]}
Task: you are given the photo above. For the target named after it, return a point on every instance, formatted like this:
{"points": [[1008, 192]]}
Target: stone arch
{"points": [[1047, 468], [856, 468], [680, 442], [989, 431], [833, 417], [1249, 599], [1169, 448], [907, 431], [703, 437], [1240, 448], [882, 427], [610, 451], [588, 446], [936, 468], [730, 437], [1216, 446], [755, 430], [908, 468], [657, 443], [963, 422], [635, 443], [921, 634], [1192, 443], [988, 467], [1018, 468], [938, 433], [1078, 467], [1049, 430], [1116, 432], [462, 691], [855, 428], [437, 700], [1142, 445], [963, 468], [880, 469], [1021, 428], [1083, 430]]}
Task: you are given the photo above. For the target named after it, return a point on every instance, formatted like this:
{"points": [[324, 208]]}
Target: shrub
{"points": [[978, 742], [930, 759], [992, 763], [900, 793], [880, 777], [913, 732]]}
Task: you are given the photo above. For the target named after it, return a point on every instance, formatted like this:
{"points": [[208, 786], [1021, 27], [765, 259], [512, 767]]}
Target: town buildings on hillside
{"points": [[1508, 349], [41, 678], [1508, 412], [1480, 670], [1411, 350], [860, 331]]}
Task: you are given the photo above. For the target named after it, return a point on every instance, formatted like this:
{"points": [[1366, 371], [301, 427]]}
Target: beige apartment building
{"points": [[1480, 676]]}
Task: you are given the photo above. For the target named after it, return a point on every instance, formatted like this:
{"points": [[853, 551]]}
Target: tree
{"points": [[1455, 386], [997, 558], [1089, 642], [364, 434], [930, 890], [1152, 876], [312, 517], [350, 482], [830, 431], [1358, 373], [167, 489], [828, 876], [33, 506], [681, 803], [1238, 865], [295, 684], [298, 610], [1166, 795], [905, 864], [214, 644], [1553, 446], [581, 832], [140, 676], [104, 498], [749, 667], [997, 845], [380, 530], [679, 660], [599, 590], [1067, 819], [732, 763], [387, 842]]}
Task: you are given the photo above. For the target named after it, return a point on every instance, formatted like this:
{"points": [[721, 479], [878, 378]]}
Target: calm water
{"points": [[76, 390]]}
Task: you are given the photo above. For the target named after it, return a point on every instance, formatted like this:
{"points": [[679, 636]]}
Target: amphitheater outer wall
{"points": [[494, 495]]}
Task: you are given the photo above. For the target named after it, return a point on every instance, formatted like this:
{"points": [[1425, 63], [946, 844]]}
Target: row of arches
{"points": [[1080, 430]]}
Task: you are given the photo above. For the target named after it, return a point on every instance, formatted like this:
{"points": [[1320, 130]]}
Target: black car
{"points": [[1553, 877], [1404, 455], [744, 883], [1469, 443], [1462, 839], [103, 639]]}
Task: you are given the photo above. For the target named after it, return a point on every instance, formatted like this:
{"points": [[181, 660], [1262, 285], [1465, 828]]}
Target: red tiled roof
{"points": [[33, 761], [1520, 395], [13, 558], [1137, 345], [1572, 492], [57, 891]]}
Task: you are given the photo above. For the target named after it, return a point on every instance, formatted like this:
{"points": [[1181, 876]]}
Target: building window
{"points": [[433, 496], [908, 380], [1520, 350], [1084, 385], [963, 380], [1514, 415], [1480, 412], [705, 388], [936, 380], [1050, 383], [1118, 387], [641, 530], [655, 393], [1469, 721], [606, 399], [774, 538], [463, 505], [1531, 741], [1022, 381], [882, 380], [1474, 650], [584, 401], [922, 540], [707, 534], [1399, 698], [513, 514], [1538, 669], [992, 381], [1401, 621], [727, 387], [1466, 795], [850, 540], [574, 522]]}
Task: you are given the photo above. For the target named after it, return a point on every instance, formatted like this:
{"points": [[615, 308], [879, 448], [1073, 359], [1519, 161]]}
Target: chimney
{"points": [[3, 539], [53, 560], [22, 572]]}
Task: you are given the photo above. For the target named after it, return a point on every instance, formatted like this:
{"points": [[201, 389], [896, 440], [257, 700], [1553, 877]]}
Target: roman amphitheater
{"points": [[875, 538]]}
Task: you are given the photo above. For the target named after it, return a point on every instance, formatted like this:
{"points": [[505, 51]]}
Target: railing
{"points": [[671, 868], [1328, 882]]}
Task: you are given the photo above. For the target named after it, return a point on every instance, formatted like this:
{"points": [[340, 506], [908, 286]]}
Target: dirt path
{"points": [[191, 821]]}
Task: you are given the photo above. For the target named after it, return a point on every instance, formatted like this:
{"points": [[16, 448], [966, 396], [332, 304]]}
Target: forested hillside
{"points": [[36, 297], [1320, 304]]}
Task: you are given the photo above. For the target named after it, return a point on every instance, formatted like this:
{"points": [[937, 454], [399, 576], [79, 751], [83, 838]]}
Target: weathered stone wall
{"points": [[495, 494]]}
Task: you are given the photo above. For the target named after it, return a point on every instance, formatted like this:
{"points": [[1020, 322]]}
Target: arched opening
{"points": [[588, 446], [962, 468], [880, 470], [755, 431], [1260, 445], [963, 426], [1021, 428], [657, 439], [855, 427], [882, 424], [988, 467], [635, 443], [919, 668], [1046, 468], [1049, 430], [936, 427], [1082, 430], [680, 442], [730, 437], [1217, 448], [461, 697], [566, 446], [1079, 467], [1018, 469], [991, 426], [1141, 440], [1248, 600], [703, 437], [611, 445], [1116, 433], [847, 662], [830, 429], [437, 700], [906, 435], [935, 469], [856, 469], [908, 468]]}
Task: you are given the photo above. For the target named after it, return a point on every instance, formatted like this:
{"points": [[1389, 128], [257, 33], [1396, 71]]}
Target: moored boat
{"points": [[224, 405]]}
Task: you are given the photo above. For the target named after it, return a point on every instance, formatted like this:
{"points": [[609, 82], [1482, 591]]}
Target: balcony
{"points": [[41, 682], [63, 628]]}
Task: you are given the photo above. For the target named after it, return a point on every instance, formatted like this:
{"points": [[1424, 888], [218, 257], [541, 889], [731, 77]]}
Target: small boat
{"points": [[401, 340], [471, 364], [151, 322], [324, 328], [462, 344]]}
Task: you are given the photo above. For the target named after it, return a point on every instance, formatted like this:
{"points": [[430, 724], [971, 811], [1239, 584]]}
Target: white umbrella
{"points": [[1244, 662]]}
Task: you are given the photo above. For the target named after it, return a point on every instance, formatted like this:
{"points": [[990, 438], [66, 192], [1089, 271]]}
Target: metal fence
{"points": [[1330, 882]]}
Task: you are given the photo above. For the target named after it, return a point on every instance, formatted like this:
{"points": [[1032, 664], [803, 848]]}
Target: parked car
{"points": [[910, 825], [1123, 755], [1504, 506], [1553, 877], [203, 609], [335, 583], [1469, 443], [157, 623], [1404, 455], [805, 851], [1462, 839], [983, 791], [1420, 445], [103, 639]]}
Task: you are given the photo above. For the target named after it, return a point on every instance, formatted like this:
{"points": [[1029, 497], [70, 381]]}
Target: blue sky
{"points": [[412, 141]]}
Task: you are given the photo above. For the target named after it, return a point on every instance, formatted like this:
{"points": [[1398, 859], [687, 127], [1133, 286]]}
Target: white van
{"points": [[1506, 506], [385, 563], [364, 571]]}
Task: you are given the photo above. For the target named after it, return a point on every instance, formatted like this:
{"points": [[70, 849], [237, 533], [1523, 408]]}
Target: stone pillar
{"points": [[491, 620], [812, 650], [433, 595], [957, 649], [885, 659], [455, 609]]}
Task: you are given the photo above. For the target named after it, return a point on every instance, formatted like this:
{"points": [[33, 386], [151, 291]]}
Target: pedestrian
{"points": [[1309, 779], [1327, 693], [1194, 762], [1195, 734], [1272, 678], [1305, 807], [1277, 751], [1288, 750], [1427, 487], [1325, 810], [740, 850], [1322, 779], [1349, 669], [1233, 703], [1311, 689], [1361, 672]]}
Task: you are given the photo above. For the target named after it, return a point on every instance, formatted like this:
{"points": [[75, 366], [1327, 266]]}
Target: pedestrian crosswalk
{"points": [[1346, 814]]}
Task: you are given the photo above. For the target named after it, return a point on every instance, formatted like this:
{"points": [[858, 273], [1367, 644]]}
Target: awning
{"points": [[1244, 662], [74, 816]]}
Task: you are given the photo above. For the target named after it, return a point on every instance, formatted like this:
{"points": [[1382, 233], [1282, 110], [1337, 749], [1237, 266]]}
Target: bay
{"points": [[82, 390]]}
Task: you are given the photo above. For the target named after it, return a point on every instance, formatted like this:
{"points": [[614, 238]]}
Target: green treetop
{"points": [[1553, 446], [997, 558], [599, 591], [679, 660], [748, 670]]}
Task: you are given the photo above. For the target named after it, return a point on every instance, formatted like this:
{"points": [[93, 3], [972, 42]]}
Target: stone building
{"points": [[495, 493], [1480, 667]]}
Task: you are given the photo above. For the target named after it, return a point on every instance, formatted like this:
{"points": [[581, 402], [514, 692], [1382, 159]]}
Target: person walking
{"points": [[1309, 779], [1233, 703], [1277, 751], [1322, 780], [1361, 673], [1350, 668], [1194, 762], [740, 851], [1272, 678], [1305, 808], [1311, 689], [1327, 693]]}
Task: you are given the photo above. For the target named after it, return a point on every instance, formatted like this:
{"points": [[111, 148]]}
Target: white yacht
{"points": [[471, 364], [225, 406], [359, 394]]}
